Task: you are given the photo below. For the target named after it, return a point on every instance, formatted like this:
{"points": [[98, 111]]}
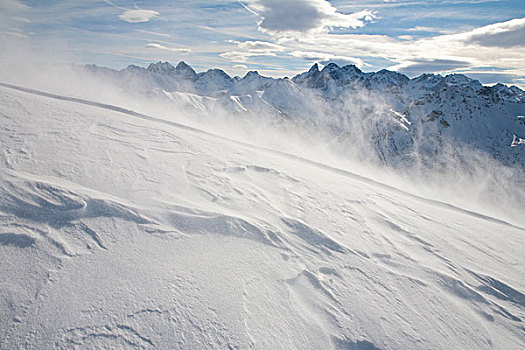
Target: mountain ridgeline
{"points": [[430, 120]]}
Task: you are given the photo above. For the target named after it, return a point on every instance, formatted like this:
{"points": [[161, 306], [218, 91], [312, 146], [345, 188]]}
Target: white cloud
{"points": [[243, 56], [15, 33], [236, 56], [506, 34], [240, 66], [422, 29], [259, 46], [249, 48], [138, 16], [21, 19], [505, 76], [153, 33], [172, 49], [325, 58], [441, 53], [425, 65], [292, 17]]}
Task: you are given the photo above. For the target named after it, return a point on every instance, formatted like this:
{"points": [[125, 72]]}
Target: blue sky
{"points": [[482, 38]]}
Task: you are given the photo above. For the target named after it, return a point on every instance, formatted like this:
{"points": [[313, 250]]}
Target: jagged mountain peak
{"points": [[183, 66], [331, 66], [160, 67], [252, 74], [460, 80], [302, 77], [385, 71], [185, 70], [388, 76], [215, 72], [351, 68], [332, 71], [519, 92], [458, 77], [428, 82], [428, 77], [314, 68], [511, 94], [133, 67]]}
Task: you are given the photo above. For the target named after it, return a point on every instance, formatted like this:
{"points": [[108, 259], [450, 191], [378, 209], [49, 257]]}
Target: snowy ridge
{"points": [[351, 105], [132, 231]]}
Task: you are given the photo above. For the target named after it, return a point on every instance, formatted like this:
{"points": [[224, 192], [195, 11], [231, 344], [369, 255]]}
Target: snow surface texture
{"points": [[121, 230]]}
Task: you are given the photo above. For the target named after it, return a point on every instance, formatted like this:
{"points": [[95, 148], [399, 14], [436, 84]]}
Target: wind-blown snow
{"points": [[124, 230]]}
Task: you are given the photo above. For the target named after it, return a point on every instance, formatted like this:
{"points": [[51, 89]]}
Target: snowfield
{"points": [[119, 230]]}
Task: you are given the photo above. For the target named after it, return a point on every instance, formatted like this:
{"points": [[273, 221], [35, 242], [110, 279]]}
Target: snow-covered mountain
{"points": [[404, 121], [123, 230]]}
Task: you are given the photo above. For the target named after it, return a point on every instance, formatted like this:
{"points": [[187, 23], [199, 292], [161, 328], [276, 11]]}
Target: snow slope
{"points": [[123, 230]]}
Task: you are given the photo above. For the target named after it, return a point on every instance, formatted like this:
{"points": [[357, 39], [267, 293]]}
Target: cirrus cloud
{"points": [[325, 58], [425, 65], [172, 49], [259, 46], [13, 5], [243, 56], [250, 48]]}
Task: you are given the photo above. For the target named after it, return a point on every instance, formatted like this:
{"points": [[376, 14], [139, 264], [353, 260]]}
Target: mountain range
{"points": [[428, 120]]}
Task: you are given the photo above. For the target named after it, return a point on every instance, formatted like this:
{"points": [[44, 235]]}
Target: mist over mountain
{"points": [[404, 121]]}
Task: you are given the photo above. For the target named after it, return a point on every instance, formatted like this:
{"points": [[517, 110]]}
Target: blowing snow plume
{"points": [[445, 137]]}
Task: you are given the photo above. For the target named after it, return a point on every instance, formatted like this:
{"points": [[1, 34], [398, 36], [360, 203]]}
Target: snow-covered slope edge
{"points": [[119, 231]]}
